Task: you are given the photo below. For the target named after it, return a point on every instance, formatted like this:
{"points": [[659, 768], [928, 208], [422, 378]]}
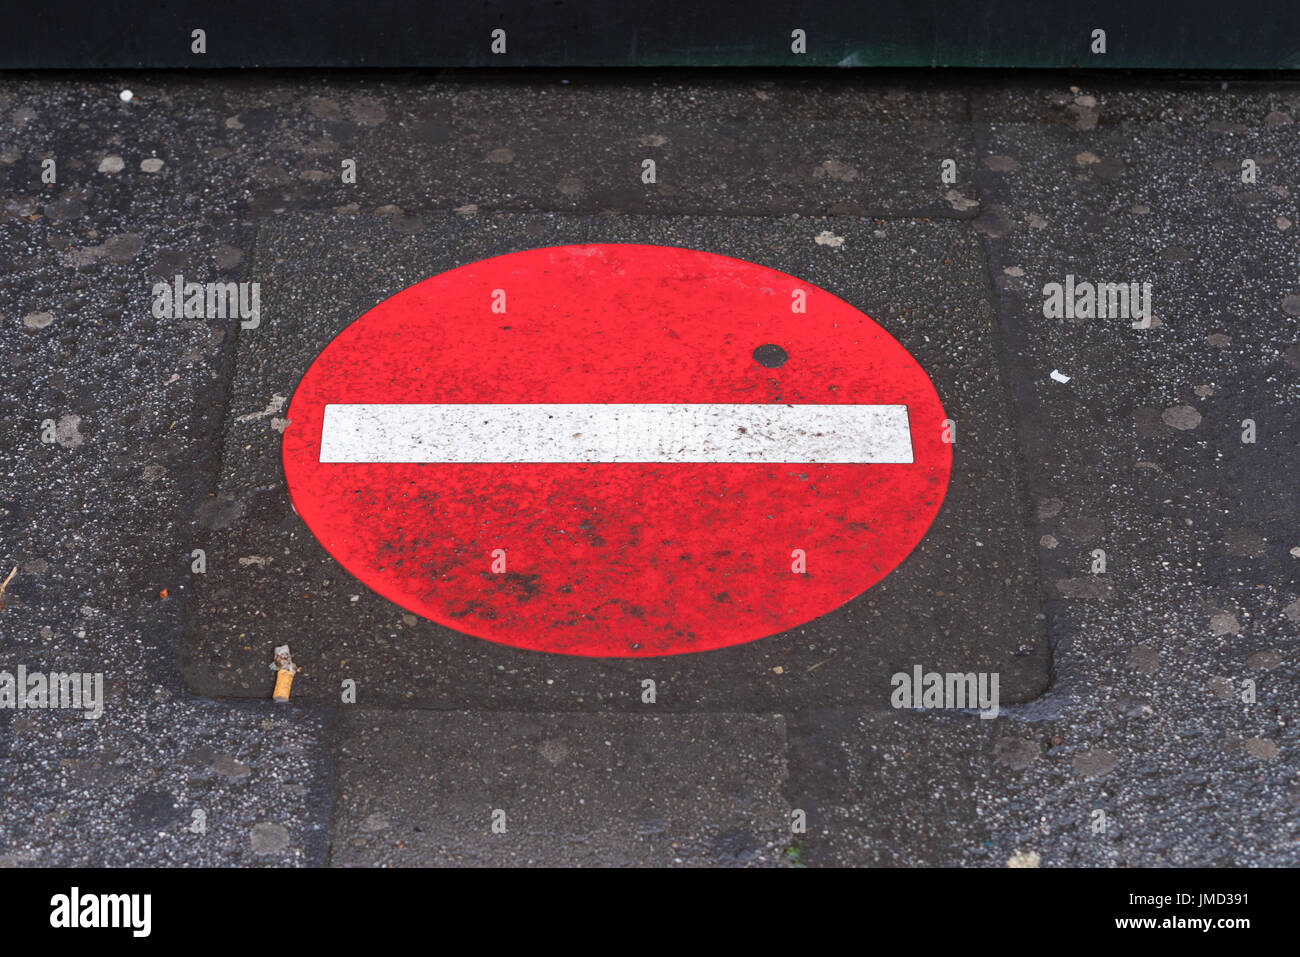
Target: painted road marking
{"points": [[379, 433], [543, 449]]}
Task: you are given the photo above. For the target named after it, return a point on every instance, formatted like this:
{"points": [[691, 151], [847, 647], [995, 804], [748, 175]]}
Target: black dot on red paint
{"points": [[770, 356]]}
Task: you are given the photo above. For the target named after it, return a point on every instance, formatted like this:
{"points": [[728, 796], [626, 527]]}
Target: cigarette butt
{"points": [[6, 585], [284, 669], [283, 682]]}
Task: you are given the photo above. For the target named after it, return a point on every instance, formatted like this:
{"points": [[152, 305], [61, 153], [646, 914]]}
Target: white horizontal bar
{"points": [[538, 432]]}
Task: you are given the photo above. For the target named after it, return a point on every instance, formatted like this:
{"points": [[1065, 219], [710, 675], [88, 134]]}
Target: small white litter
{"points": [[1060, 376]]}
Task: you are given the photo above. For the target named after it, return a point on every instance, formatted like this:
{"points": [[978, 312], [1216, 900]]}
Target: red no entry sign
{"points": [[616, 450]]}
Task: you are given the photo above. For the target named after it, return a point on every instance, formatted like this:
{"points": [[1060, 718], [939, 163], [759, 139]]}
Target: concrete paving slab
{"points": [[963, 601], [421, 788]]}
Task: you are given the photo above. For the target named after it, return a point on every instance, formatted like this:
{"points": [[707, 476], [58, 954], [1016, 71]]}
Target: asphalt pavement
{"points": [[1146, 703]]}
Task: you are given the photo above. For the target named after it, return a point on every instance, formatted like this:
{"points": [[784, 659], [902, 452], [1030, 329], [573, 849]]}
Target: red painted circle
{"points": [[616, 559]]}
